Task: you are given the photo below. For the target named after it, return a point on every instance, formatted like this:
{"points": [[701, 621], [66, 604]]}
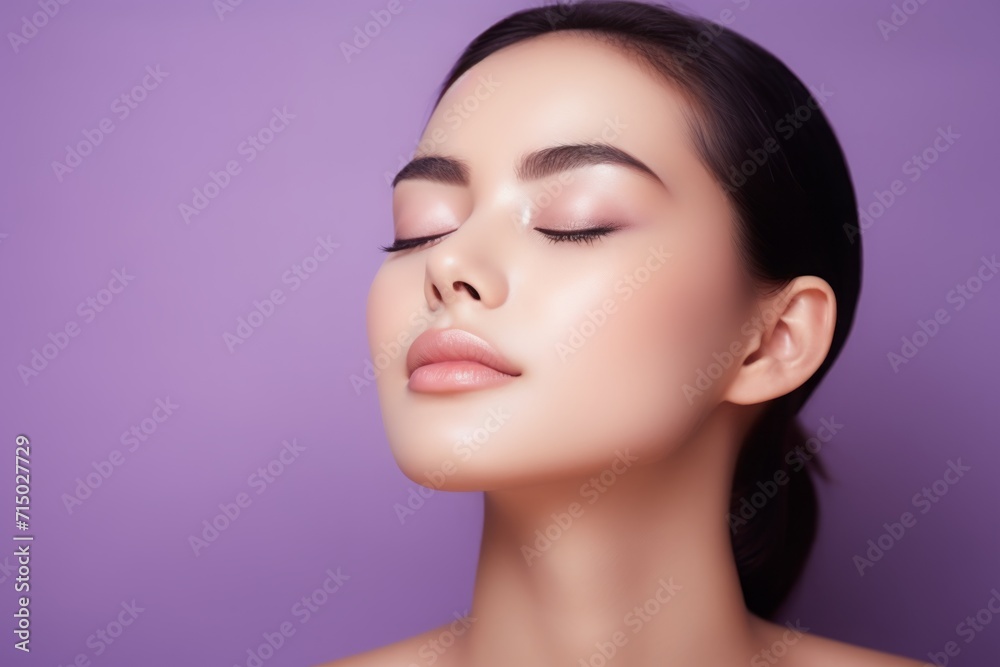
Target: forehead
{"points": [[559, 88]]}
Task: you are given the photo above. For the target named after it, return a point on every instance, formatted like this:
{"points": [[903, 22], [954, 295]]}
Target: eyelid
{"points": [[578, 234], [415, 242], [585, 235], [592, 227]]}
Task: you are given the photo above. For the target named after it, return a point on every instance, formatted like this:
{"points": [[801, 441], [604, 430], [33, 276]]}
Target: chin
{"points": [[447, 466]]}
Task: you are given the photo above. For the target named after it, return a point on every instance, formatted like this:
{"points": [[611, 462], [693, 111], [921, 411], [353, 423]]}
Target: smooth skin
{"points": [[614, 393]]}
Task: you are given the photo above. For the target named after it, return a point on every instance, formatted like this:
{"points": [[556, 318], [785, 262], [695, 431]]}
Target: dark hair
{"points": [[795, 209]]}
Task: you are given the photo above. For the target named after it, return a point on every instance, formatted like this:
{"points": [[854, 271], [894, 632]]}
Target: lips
{"points": [[443, 345]]}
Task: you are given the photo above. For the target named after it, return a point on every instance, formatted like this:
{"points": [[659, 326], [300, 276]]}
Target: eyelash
{"points": [[587, 236]]}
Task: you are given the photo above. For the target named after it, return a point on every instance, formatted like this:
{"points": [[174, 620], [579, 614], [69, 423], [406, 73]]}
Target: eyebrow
{"points": [[533, 166]]}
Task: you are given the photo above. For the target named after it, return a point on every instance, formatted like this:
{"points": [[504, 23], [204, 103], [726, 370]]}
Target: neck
{"points": [[634, 562]]}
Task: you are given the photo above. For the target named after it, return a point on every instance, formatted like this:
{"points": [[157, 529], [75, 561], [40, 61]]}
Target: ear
{"points": [[792, 336]]}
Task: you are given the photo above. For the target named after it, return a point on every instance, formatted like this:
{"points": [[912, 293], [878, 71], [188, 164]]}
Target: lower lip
{"points": [[448, 376]]}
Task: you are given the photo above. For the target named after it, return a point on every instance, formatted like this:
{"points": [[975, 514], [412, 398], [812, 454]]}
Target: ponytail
{"points": [[773, 511]]}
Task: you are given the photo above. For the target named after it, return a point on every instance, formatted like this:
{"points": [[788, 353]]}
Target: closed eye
{"points": [[405, 244], [587, 236], [577, 235]]}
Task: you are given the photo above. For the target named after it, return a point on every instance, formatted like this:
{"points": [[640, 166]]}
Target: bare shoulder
{"points": [[794, 644], [410, 652], [807, 649]]}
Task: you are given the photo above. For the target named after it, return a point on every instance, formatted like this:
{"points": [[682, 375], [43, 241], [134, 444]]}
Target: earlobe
{"points": [[792, 348]]}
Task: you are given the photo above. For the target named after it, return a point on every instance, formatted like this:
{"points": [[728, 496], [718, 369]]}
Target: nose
{"points": [[457, 287], [467, 266]]}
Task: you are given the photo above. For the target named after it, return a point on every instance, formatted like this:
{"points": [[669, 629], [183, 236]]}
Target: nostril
{"points": [[455, 292], [472, 290]]}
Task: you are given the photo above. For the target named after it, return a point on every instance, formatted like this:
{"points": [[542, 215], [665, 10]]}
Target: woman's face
{"points": [[609, 335]]}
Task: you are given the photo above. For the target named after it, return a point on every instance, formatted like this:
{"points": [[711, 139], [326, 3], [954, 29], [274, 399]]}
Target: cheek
{"points": [[673, 330], [625, 354], [639, 359], [379, 306], [395, 315]]}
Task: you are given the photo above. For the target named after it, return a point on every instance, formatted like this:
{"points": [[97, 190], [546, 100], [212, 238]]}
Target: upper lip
{"points": [[437, 345]]}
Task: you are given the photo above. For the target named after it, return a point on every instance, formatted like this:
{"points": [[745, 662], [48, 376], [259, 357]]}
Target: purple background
{"points": [[324, 175]]}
